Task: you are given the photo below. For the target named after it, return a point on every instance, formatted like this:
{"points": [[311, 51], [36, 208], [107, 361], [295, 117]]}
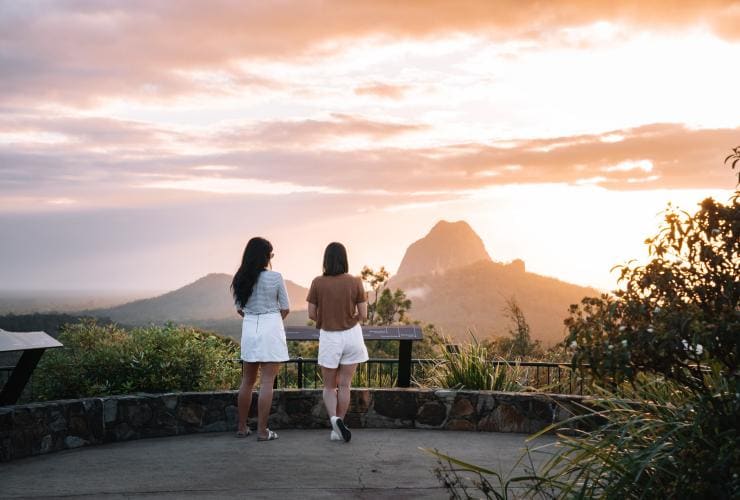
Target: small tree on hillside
{"points": [[385, 307], [519, 344], [392, 307], [376, 280]]}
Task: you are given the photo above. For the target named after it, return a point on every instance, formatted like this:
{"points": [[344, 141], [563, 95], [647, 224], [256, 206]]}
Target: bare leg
{"points": [[344, 380], [249, 375], [330, 390], [268, 371]]}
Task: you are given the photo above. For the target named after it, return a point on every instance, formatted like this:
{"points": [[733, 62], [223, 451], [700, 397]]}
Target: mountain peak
{"points": [[459, 226], [447, 246]]}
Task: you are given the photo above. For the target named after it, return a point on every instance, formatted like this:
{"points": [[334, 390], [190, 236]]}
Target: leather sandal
{"points": [[244, 433], [271, 436]]}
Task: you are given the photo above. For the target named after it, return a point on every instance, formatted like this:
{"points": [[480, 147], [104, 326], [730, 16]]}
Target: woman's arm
{"points": [[313, 301], [362, 312], [283, 301], [282, 296], [361, 299]]}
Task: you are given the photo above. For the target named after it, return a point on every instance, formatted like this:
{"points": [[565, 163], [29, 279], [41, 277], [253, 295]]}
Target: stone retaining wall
{"points": [[39, 428]]}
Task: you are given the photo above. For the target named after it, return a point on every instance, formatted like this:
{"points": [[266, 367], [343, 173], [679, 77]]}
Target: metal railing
{"points": [[305, 373], [560, 378]]}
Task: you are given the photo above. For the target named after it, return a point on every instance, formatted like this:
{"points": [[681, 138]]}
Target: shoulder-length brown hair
{"points": [[335, 259]]}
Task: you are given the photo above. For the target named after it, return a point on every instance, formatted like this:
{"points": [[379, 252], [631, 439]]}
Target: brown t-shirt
{"points": [[336, 298]]}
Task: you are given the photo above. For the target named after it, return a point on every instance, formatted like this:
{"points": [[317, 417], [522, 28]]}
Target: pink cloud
{"points": [[668, 156], [382, 90], [75, 52]]}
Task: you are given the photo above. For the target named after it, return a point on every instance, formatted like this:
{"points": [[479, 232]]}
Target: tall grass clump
{"points": [[470, 366], [100, 360], [651, 440], [661, 442]]}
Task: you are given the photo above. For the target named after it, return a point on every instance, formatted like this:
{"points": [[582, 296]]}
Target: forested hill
{"points": [[208, 298], [474, 297], [454, 284]]}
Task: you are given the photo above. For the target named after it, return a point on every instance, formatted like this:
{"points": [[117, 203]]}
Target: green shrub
{"points": [[674, 314], [100, 360]]}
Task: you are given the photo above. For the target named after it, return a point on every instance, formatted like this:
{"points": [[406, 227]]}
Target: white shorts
{"points": [[263, 338], [343, 347]]}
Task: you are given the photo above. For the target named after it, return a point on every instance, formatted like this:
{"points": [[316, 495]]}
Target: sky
{"points": [[142, 143]]}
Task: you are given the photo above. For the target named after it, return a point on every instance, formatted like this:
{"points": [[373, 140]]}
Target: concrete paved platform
{"points": [[377, 463]]}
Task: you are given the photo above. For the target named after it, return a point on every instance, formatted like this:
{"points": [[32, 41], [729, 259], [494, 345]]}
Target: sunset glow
{"points": [[142, 146]]}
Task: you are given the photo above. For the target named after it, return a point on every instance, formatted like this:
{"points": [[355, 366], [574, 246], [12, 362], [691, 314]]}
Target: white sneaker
{"points": [[340, 428], [335, 436]]}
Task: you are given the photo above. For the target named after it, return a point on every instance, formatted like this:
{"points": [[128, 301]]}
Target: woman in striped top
{"points": [[262, 300]]}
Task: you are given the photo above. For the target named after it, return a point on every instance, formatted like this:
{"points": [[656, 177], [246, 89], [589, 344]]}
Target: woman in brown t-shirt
{"points": [[337, 303]]}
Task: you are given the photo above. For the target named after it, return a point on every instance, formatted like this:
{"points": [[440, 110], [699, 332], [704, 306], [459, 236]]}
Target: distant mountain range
{"points": [[448, 274], [204, 301]]}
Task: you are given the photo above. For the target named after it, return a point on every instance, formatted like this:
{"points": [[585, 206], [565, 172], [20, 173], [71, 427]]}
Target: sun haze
{"points": [[142, 145]]}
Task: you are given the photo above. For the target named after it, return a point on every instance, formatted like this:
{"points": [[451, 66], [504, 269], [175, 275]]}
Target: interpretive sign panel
{"points": [[404, 334], [33, 345]]}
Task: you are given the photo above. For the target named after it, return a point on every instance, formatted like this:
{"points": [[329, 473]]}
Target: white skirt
{"points": [[263, 338]]}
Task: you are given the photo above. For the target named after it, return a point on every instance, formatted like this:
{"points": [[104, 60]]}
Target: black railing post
{"points": [[404, 363], [300, 372]]}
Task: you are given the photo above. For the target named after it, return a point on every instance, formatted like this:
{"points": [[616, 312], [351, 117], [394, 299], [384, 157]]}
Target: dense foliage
{"points": [[676, 314], [104, 359], [665, 349], [674, 324]]}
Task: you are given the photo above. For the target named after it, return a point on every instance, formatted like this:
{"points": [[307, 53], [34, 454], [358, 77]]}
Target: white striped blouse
{"points": [[269, 294]]}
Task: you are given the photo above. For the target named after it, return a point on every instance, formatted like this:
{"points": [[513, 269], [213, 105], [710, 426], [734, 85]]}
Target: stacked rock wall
{"points": [[34, 429]]}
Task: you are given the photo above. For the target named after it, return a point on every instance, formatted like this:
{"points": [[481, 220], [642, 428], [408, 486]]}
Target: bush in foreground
{"points": [[101, 360]]}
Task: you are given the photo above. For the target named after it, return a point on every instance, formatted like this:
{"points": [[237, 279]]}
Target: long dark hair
{"points": [[335, 259], [256, 257]]}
